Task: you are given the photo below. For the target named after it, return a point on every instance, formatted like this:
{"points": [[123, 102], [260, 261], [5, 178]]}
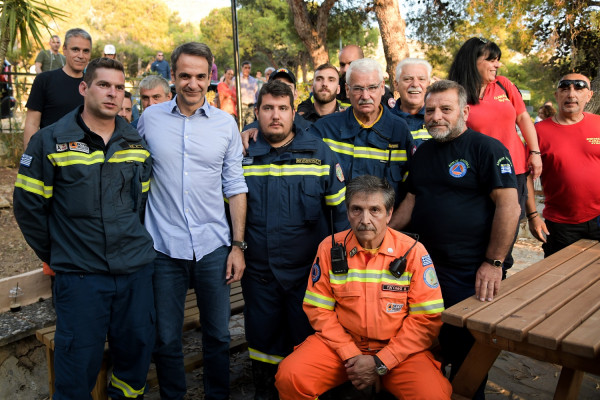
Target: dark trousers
{"points": [[563, 235]]}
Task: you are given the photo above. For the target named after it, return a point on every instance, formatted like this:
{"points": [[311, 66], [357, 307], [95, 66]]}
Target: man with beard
{"points": [[367, 138], [294, 185], [413, 76], [322, 101], [463, 204]]}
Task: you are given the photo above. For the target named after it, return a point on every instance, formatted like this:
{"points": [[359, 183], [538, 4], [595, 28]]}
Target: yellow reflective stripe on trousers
{"points": [[264, 357], [318, 300], [366, 152], [337, 198], [33, 185], [421, 134], [129, 155], [145, 186], [428, 307], [127, 390], [75, 157], [285, 170], [370, 276]]}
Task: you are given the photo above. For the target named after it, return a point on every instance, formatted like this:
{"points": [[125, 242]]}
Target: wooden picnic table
{"points": [[549, 311]]}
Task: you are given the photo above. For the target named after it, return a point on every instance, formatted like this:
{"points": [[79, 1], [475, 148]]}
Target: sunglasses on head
{"points": [[578, 84]]}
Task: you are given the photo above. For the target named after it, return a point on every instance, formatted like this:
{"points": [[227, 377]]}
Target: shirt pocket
{"points": [[311, 200], [393, 304]]}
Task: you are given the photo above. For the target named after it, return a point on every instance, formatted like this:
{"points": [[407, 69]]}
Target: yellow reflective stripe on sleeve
{"points": [[75, 157], [366, 152], [33, 185], [285, 170], [129, 155], [370, 276], [145, 186], [264, 357], [319, 300], [428, 307], [127, 390], [337, 198], [421, 134]]}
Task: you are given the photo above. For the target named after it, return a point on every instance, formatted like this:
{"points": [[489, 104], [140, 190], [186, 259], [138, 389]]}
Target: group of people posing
{"points": [[129, 218]]}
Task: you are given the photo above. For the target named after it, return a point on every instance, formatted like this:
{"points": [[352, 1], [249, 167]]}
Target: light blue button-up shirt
{"points": [[197, 160]]}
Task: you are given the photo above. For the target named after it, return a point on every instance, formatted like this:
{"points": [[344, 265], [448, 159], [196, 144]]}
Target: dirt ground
{"points": [[512, 377]]}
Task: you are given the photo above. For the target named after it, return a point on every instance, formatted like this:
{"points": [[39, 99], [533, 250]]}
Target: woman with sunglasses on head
{"points": [[496, 107]]}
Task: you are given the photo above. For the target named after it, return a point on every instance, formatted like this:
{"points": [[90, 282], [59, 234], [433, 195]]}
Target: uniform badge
{"points": [[426, 260], [315, 272], [353, 252], [247, 160], [79, 147], [26, 160], [339, 173], [60, 147], [505, 169], [391, 102], [430, 278], [458, 169], [387, 287], [393, 308]]}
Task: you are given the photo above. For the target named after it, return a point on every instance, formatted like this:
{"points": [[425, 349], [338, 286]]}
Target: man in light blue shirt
{"points": [[197, 154]]}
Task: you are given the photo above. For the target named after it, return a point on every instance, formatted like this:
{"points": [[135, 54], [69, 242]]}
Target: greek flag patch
{"points": [[426, 260], [505, 169], [26, 160]]}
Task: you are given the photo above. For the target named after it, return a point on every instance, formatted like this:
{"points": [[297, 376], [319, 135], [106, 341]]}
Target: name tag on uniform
{"points": [[247, 160]]}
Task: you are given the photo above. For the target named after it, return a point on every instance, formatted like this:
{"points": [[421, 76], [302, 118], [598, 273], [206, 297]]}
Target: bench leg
{"points": [[568, 384], [471, 373], [50, 364]]}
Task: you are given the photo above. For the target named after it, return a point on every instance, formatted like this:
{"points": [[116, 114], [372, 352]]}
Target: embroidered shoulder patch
{"points": [[426, 260], [26, 160], [339, 173], [315, 272], [430, 278]]}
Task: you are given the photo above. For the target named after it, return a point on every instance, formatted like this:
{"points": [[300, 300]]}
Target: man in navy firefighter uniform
{"points": [[368, 138], [79, 200], [295, 186]]}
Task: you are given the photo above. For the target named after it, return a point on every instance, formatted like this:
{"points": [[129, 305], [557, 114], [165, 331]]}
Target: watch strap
{"points": [[494, 263]]}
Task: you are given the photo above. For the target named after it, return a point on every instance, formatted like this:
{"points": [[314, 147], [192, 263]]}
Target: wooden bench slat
{"points": [[551, 331], [516, 326], [457, 314], [584, 340]]}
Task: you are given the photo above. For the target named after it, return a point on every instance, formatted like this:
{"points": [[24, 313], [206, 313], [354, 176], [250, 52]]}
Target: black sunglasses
{"points": [[578, 84]]}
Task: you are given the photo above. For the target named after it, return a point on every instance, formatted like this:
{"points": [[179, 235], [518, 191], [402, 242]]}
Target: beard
{"points": [[440, 134], [324, 97]]}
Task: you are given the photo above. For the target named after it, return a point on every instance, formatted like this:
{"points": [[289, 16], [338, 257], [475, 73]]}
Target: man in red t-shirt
{"points": [[570, 147]]}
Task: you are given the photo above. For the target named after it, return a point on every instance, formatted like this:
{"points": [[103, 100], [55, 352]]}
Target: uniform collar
{"points": [[302, 142], [387, 247]]}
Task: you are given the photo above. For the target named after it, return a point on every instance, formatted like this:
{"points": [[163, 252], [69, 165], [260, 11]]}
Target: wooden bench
{"points": [[191, 321], [550, 311]]}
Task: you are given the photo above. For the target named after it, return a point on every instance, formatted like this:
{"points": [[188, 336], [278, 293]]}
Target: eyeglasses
{"points": [[578, 84], [369, 89]]}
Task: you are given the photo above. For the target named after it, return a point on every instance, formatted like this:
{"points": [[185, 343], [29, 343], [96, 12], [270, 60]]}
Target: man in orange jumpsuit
{"points": [[376, 318]]}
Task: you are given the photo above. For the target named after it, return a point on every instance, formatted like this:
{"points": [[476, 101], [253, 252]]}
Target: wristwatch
{"points": [[494, 263], [242, 245], [380, 367]]}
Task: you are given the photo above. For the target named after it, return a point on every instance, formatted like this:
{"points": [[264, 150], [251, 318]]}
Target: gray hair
{"points": [[370, 184], [445, 85], [412, 61], [152, 81], [269, 70], [192, 49], [77, 32], [364, 65]]}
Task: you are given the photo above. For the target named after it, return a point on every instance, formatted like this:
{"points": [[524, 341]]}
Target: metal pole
{"points": [[236, 61]]}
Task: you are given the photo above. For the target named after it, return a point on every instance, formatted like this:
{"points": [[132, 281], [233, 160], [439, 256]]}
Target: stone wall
{"points": [[23, 372]]}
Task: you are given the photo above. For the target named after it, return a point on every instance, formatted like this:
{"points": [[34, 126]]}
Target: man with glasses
{"points": [[570, 147], [367, 137], [161, 67]]}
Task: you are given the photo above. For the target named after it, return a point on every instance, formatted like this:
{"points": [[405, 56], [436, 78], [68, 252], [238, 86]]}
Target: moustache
{"points": [[365, 101], [363, 227]]}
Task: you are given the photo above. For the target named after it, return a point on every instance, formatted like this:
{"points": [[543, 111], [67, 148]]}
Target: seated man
{"points": [[376, 316]]}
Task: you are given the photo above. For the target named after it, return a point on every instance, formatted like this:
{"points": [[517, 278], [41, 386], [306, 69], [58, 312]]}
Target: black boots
{"points": [[264, 380]]}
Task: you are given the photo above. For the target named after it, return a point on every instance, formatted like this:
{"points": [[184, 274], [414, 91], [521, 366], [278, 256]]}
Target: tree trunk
{"points": [[4, 41], [314, 36], [391, 27], [594, 105]]}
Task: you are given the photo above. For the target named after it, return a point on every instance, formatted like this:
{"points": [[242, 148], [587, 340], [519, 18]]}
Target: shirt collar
{"points": [[204, 111]]}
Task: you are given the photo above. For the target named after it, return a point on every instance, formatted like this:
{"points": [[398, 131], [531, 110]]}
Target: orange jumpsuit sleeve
{"points": [[424, 320], [319, 304]]}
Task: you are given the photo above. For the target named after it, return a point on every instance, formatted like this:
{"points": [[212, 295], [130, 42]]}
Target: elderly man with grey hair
{"points": [[413, 76], [154, 89], [367, 137]]}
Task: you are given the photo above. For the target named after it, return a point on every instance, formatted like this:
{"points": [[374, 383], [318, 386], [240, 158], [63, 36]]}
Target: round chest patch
{"points": [[458, 169], [315, 273], [430, 278]]}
